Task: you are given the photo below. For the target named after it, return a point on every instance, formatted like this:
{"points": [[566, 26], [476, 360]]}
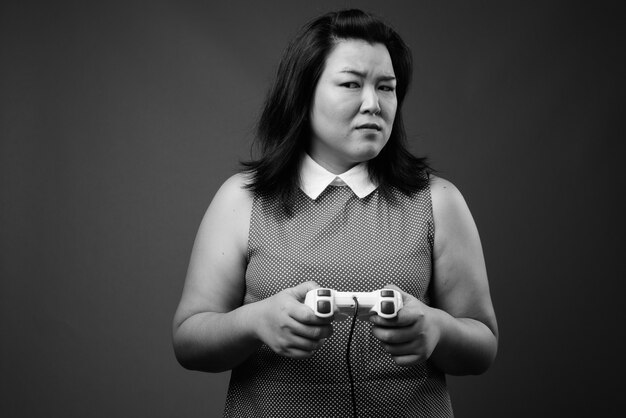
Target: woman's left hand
{"points": [[411, 337]]}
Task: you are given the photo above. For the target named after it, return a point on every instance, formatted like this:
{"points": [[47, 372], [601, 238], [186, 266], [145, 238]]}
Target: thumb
{"points": [[300, 291]]}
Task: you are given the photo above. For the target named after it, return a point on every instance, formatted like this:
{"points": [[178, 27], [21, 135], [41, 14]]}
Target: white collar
{"points": [[314, 179]]}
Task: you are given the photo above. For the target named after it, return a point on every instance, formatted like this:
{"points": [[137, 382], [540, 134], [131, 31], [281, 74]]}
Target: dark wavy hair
{"points": [[283, 130]]}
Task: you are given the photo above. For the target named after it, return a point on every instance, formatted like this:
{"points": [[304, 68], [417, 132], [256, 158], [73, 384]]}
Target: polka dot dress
{"points": [[348, 244]]}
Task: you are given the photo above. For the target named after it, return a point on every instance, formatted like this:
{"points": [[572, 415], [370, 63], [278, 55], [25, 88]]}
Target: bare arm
{"points": [[212, 330], [469, 331], [209, 332], [459, 331]]}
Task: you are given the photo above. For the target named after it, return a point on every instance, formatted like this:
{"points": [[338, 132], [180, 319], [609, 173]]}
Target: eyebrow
{"points": [[384, 77]]}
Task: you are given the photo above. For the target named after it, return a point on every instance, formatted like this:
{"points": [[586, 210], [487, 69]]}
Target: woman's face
{"points": [[354, 105]]}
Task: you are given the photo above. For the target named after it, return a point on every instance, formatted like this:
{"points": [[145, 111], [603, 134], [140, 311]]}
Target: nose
{"points": [[370, 103]]}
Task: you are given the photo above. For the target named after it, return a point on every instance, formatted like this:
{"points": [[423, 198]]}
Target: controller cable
{"points": [[348, 360]]}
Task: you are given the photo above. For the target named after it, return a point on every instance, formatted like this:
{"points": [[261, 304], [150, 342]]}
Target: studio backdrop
{"points": [[120, 120]]}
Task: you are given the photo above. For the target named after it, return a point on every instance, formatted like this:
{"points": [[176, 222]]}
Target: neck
{"points": [[333, 166]]}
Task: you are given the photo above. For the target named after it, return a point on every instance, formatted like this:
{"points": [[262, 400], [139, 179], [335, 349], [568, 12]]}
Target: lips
{"points": [[369, 126]]}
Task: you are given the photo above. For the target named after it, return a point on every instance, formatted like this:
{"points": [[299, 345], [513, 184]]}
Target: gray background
{"points": [[119, 120]]}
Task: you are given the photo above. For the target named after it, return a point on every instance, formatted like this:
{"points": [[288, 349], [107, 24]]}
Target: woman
{"points": [[337, 201]]}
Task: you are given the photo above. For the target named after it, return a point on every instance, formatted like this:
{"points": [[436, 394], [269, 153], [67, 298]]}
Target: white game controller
{"points": [[384, 302]]}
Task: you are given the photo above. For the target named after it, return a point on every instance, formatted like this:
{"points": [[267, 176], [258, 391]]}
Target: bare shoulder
{"points": [[234, 192], [446, 197], [228, 217], [454, 223], [233, 201]]}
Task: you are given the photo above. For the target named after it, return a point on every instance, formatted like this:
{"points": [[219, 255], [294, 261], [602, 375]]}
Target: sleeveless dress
{"points": [[348, 244]]}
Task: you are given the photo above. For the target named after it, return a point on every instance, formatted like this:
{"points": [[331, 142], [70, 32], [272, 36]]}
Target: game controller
{"points": [[384, 302]]}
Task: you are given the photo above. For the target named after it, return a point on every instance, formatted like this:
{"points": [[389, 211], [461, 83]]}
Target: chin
{"points": [[372, 149], [367, 154]]}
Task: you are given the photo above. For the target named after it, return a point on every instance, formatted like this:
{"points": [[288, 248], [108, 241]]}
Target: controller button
{"points": [[387, 307], [323, 306], [323, 292], [386, 293]]}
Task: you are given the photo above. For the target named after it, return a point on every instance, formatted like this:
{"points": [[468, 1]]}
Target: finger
{"points": [[294, 352], [408, 361], [393, 335], [404, 318], [298, 354], [320, 328], [305, 315], [296, 342], [404, 349], [300, 291], [310, 326], [313, 332]]}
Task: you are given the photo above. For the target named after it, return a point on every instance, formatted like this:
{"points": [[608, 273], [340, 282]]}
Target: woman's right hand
{"points": [[288, 326]]}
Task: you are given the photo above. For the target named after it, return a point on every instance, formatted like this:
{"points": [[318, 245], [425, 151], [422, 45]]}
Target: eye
{"points": [[387, 88], [351, 85]]}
